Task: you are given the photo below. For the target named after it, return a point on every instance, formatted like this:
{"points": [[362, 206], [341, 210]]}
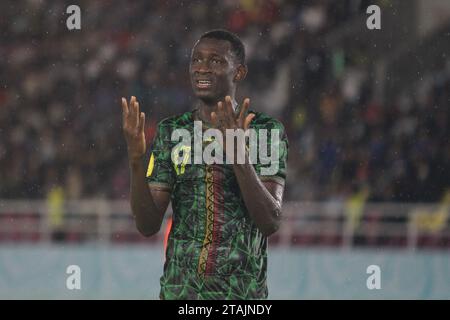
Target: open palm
{"points": [[133, 123]]}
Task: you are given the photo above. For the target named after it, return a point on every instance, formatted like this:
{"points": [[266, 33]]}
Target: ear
{"points": [[241, 73]]}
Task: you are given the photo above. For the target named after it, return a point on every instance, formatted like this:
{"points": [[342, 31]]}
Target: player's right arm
{"points": [[148, 204]]}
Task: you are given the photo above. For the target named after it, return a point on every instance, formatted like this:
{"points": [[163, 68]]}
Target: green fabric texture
{"points": [[214, 249]]}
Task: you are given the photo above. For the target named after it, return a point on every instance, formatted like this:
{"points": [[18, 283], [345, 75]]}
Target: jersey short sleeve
{"points": [[160, 172], [273, 167]]}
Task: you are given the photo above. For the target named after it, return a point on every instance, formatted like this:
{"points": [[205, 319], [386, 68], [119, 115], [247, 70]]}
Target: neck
{"points": [[205, 108]]}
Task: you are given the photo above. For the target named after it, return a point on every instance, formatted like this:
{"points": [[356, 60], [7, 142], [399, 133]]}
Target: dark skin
{"points": [[212, 61]]}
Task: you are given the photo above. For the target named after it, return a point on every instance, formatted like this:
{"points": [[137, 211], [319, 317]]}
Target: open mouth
{"points": [[203, 84]]}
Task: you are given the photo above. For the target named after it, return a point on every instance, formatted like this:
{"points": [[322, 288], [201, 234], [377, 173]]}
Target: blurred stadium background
{"points": [[366, 112]]}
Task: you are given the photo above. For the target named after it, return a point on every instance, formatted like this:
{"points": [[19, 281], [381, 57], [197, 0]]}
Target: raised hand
{"points": [[133, 122], [225, 117]]}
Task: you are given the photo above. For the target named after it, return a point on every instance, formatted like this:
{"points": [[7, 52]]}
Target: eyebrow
{"points": [[213, 54], [217, 56]]}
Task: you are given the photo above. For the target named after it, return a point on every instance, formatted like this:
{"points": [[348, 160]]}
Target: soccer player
{"points": [[222, 213]]}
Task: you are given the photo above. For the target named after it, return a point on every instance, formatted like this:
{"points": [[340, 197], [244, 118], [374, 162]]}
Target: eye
{"points": [[216, 61], [195, 60]]}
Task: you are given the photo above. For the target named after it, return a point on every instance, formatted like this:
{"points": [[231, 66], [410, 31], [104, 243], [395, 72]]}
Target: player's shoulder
{"points": [[264, 121]]}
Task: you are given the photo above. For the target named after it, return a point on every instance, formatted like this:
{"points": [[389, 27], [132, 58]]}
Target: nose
{"points": [[202, 67]]}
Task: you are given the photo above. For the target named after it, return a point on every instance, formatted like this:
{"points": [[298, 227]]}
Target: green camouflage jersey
{"points": [[214, 249]]}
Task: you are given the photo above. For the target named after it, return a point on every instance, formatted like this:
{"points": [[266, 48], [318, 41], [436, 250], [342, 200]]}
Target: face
{"points": [[213, 70]]}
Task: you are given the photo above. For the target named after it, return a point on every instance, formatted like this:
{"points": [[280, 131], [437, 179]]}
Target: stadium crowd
{"points": [[60, 97]]}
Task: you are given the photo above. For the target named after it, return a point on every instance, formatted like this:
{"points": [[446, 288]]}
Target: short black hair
{"points": [[237, 46]]}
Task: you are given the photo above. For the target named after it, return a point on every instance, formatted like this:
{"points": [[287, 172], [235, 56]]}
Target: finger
{"points": [[214, 118], [219, 107], [248, 119], [137, 113], [141, 122], [220, 110], [245, 106], [134, 115], [229, 112], [131, 114], [125, 110]]}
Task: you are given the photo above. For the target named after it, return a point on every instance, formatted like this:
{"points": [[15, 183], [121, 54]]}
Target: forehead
{"points": [[208, 46]]}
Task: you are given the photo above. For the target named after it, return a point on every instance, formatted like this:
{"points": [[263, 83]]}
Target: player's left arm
{"points": [[263, 199]]}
